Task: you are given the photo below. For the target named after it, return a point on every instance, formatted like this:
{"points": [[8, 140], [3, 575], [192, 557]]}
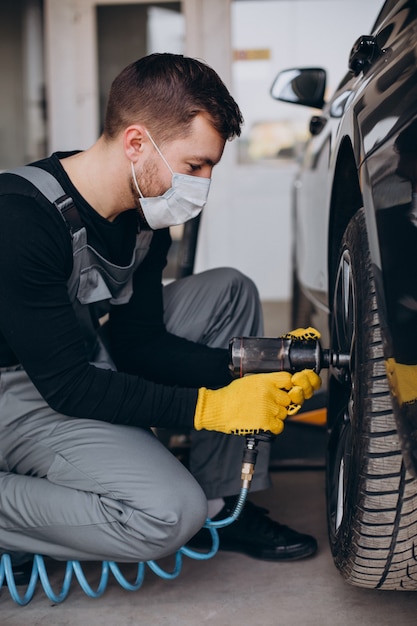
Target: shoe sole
{"points": [[264, 556]]}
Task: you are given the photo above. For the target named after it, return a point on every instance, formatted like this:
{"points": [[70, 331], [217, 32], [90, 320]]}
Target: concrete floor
{"points": [[232, 589]]}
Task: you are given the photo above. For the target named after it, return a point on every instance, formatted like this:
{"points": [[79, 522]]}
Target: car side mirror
{"points": [[303, 86]]}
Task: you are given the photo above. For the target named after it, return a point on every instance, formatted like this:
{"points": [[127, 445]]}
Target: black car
{"points": [[355, 278]]}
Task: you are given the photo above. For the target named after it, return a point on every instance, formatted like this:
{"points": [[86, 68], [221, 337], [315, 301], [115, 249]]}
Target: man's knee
{"points": [[170, 521], [187, 512], [245, 285], [236, 282]]}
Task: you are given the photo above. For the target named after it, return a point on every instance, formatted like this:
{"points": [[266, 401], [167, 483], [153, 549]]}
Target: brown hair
{"points": [[165, 92]]}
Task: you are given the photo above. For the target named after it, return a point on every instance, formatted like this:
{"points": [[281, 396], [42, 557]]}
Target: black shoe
{"points": [[258, 536]]}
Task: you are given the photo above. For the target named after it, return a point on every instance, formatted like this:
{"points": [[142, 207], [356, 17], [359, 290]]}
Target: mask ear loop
{"points": [[160, 153], [135, 180]]}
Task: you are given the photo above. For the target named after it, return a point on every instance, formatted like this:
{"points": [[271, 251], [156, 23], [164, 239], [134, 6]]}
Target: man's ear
{"points": [[134, 138]]}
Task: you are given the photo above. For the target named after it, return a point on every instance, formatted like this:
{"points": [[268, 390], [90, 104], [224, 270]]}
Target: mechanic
{"points": [[94, 352]]}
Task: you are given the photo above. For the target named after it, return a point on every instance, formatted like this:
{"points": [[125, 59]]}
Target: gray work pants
{"points": [[89, 490], [223, 304]]}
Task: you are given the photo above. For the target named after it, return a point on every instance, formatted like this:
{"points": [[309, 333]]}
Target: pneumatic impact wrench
{"points": [[262, 355]]}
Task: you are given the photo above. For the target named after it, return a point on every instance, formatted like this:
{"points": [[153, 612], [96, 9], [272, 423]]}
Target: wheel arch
{"points": [[346, 199]]}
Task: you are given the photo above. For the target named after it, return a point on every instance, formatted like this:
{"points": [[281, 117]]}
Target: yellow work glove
{"points": [[305, 383], [259, 402], [308, 380], [308, 334]]}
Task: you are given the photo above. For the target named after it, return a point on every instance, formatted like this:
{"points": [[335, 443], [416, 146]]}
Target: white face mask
{"points": [[181, 202]]}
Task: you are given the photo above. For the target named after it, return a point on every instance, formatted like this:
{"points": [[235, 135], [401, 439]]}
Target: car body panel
{"points": [[352, 159]]}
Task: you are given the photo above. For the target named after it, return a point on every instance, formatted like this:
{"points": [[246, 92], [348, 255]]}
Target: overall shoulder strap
{"points": [[49, 187]]}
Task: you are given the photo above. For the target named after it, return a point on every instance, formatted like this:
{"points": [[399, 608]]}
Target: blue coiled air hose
{"points": [[72, 568]]}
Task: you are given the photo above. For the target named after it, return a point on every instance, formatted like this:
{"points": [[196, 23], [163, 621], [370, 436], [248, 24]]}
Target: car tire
{"points": [[371, 497]]}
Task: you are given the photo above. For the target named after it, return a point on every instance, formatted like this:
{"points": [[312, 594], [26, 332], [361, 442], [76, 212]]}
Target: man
{"points": [[93, 352]]}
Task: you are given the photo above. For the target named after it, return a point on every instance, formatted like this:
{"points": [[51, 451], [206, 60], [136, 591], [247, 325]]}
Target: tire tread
{"points": [[380, 550]]}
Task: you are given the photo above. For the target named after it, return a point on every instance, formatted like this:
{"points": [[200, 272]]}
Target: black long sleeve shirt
{"points": [[158, 373]]}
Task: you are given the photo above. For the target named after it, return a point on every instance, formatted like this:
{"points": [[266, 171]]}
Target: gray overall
{"points": [[82, 489]]}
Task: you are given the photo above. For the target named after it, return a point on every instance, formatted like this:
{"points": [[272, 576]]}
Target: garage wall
{"points": [[247, 223], [22, 123]]}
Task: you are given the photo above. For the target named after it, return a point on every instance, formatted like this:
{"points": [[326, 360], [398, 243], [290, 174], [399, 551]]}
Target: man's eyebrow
{"points": [[201, 159]]}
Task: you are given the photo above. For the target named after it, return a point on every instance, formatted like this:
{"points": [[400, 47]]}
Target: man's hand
{"points": [[259, 402], [309, 334], [308, 380], [305, 383]]}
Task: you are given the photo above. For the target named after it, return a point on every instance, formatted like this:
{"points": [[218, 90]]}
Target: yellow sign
{"points": [[254, 54]]}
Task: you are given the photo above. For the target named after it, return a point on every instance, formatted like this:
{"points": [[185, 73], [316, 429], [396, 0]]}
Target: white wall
{"points": [[298, 33], [247, 223]]}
